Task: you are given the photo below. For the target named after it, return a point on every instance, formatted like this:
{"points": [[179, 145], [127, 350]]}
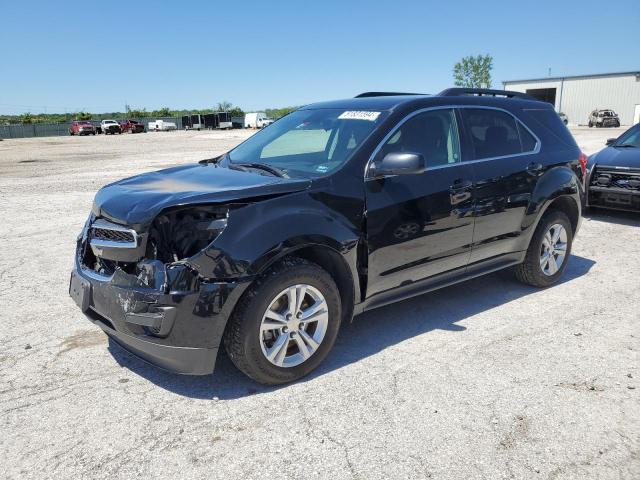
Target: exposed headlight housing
{"points": [[178, 234]]}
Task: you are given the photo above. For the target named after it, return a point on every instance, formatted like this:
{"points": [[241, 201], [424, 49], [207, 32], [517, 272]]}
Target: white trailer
{"points": [[161, 126]]}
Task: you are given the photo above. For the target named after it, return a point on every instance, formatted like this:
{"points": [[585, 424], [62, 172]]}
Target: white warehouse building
{"points": [[577, 96]]}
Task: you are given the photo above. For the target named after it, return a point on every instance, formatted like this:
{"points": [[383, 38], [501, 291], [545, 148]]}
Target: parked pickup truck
{"points": [[132, 126], [110, 126], [82, 128]]}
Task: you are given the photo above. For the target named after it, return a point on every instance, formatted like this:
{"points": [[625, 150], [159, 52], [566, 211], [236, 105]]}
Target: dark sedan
{"points": [[614, 173]]}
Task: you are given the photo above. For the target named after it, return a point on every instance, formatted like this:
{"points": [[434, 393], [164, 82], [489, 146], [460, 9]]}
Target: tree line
{"points": [[235, 111]]}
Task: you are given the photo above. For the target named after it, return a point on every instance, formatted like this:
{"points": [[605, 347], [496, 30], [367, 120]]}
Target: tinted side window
{"points": [[434, 134], [493, 133]]}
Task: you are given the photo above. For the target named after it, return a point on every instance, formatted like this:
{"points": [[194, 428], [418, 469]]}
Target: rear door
{"points": [[420, 225], [506, 167]]}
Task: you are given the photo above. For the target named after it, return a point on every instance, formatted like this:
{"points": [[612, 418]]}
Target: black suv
{"points": [[335, 209]]}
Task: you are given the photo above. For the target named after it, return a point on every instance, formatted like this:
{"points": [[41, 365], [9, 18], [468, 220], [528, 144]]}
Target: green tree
{"points": [[26, 118], [276, 113], [82, 116], [224, 106], [473, 72], [138, 113], [163, 112]]}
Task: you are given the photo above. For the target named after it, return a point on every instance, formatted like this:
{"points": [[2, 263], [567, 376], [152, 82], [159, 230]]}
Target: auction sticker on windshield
{"points": [[359, 115]]}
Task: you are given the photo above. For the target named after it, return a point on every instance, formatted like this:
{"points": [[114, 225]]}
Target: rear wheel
{"points": [[286, 324], [548, 252]]}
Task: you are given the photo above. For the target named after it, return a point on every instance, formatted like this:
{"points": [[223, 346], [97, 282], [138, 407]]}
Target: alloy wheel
{"points": [[294, 325], [553, 250]]}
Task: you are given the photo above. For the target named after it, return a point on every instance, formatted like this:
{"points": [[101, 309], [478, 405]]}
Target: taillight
{"points": [[582, 160]]}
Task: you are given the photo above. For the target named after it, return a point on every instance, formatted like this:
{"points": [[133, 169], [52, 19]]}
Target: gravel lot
{"points": [[488, 379]]}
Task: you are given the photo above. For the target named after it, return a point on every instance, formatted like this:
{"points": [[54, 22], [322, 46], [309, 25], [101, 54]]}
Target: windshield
{"points": [[631, 138], [308, 142]]}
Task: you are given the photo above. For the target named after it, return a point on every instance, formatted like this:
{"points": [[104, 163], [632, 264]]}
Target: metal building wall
{"points": [[578, 96]]}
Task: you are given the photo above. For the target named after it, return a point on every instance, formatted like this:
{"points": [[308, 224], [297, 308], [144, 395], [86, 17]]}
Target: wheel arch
{"points": [[559, 189], [332, 261]]}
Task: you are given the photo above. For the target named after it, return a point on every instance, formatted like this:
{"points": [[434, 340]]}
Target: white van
{"points": [[257, 120]]}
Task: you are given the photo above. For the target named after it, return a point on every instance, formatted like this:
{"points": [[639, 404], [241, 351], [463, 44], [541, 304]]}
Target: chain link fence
{"points": [[28, 130]]}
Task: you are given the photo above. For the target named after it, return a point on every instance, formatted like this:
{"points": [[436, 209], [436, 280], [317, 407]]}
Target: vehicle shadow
{"points": [[367, 335], [618, 217]]}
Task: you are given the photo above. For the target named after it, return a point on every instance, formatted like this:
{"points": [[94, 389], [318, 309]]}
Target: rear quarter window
{"points": [[548, 119]]}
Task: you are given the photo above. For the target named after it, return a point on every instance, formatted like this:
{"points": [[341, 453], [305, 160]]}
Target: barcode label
{"points": [[359, 115]]}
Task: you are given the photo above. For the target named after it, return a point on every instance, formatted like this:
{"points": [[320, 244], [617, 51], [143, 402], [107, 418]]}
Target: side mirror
{"points": [[398, 163], [610, 141]]}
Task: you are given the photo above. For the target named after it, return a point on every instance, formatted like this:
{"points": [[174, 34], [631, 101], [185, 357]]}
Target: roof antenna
{"points": [[549, 71]]}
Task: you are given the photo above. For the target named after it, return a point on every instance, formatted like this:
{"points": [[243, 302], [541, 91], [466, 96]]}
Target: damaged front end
{"points": [[140, 287]]}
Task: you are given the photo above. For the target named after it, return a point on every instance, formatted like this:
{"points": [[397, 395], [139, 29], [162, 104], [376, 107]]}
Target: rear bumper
{"points": [[176, 331]]}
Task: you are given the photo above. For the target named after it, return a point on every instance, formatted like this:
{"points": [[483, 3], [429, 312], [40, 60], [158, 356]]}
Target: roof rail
{"points": [[384, 94], [460, 92]]}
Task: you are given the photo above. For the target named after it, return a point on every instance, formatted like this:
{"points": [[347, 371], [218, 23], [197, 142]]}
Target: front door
{"points": [[419, 225]]}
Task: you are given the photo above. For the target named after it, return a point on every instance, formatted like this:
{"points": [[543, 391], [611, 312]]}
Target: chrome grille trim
{"points": [[119, 236]]}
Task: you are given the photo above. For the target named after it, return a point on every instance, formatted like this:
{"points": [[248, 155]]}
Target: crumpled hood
{"points": [[136, 201], [617, 157]]}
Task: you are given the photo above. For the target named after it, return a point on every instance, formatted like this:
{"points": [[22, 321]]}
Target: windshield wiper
{"points": [[628, 145], [261, 166]]}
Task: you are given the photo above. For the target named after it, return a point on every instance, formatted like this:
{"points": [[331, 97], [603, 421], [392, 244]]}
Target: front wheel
{"points": [[286, 324], [548, 252]]}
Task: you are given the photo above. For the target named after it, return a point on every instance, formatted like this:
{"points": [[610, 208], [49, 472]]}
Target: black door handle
{"points": [[534, 168]]}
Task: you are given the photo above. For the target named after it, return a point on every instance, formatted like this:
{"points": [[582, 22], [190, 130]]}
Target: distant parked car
{"points": [[162, 125], [132, 126], [563, 117], [82, 128], [604, 118], [110, 126], [257, 120], [613, 178]]}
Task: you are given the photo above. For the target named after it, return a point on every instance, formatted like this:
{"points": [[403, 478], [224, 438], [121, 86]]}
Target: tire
{"points": [[248, 348], [530, 271], [590, 124]]}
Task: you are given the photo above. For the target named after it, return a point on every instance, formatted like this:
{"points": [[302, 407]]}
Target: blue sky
{"points": [[95, 56]]}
